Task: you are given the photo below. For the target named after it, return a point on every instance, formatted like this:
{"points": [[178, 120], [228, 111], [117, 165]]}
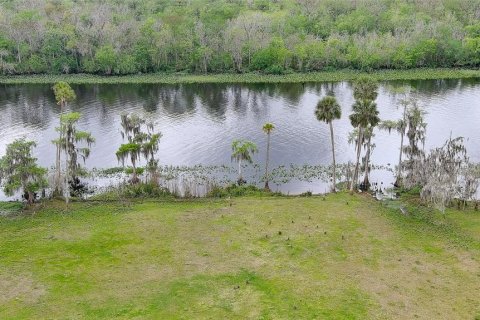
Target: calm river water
{"points": [[199, 121]]}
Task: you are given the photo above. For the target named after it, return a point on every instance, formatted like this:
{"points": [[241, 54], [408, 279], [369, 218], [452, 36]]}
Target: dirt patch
{"points": [[23, 288]]}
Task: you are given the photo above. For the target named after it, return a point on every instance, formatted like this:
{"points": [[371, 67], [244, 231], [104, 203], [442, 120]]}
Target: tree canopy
{"points": [[114, 37]]}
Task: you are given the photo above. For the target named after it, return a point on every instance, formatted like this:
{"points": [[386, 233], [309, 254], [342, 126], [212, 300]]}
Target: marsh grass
{"points": [[338, 257], [340, 75]]}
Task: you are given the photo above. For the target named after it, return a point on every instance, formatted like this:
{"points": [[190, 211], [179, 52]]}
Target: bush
{"points": [[235, 190]]}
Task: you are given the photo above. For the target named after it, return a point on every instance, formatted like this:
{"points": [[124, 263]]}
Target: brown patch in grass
{"points": [[23, 288]]}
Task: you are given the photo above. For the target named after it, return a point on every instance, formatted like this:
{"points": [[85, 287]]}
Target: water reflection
{"points": [[199, 121]]}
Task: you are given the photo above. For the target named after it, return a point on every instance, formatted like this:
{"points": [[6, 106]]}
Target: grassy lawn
{"points": [[161, 78], [343, 257]]}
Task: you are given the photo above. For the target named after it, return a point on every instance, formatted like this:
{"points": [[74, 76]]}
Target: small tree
{"points": [[76, 144], [139, 143], [442, 169], [63, 95], [328, 110], [242, 150], [267, 128], [416, 132], [19, 170]]}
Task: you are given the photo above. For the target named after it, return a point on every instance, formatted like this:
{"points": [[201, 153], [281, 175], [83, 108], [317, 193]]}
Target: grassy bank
{"points": [[415, 74], [342, 257]]}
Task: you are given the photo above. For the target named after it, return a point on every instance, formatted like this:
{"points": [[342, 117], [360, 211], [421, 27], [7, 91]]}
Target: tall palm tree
{"points": [[242, 150], [267, 128], [365, 89], [364, 114], [63, 94], [328, 110]]}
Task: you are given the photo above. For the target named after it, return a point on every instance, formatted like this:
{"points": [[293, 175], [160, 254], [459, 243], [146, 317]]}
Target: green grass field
{"points": [[342, 257], [175, 78]]}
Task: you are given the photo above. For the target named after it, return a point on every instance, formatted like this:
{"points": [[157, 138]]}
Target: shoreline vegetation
{"points": [[186, 78]]}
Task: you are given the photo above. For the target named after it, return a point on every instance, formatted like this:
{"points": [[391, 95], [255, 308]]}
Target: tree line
{"points": [[441, 175], [196, 36]]}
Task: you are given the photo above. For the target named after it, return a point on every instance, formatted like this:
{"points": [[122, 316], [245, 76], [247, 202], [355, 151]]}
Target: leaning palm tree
{"points": [[364, 114], [267, 128], [328, 110], [242, 150]]}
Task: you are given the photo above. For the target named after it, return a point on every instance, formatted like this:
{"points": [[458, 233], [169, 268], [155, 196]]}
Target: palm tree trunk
{"points": [[134, 175], [267, 187], [57, 168], [366, 181], [240, 178], [359, 149], [333, 156]]}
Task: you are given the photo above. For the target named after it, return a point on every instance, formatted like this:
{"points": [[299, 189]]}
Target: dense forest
{"points": [[216, 36]]}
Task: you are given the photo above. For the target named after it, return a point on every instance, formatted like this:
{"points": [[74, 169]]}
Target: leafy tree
{"points": [[106, 59], [267, 128], [328, 110], [242, 150], [19, 170]]}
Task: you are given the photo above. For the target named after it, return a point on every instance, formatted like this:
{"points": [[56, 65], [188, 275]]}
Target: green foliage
{"points": [[274, 37], [235, 190], [144, 190], [268, 127], [179, 78], [328, 109], [141, 141], [19, 170], [105, 59], [63, 93], [243, 150]]}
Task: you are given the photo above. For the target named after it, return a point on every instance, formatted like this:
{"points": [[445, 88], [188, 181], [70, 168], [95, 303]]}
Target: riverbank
{"points": [[327, 76], [340, 256]]}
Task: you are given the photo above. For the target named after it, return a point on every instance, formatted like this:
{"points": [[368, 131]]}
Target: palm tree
{"points": [[328, 110], [267, 128], [63, 94], [365, 89], [242, 150], [364, 114]]}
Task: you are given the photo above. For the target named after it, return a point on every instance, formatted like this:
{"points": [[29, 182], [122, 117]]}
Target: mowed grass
{"points": [[342, 257]]}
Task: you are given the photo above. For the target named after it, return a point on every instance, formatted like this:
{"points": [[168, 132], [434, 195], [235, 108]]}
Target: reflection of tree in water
{"points": [[291, 92], [28, 105], [213, 97], [240, 96], [429, 88], [328, 88], [175, 99]]}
